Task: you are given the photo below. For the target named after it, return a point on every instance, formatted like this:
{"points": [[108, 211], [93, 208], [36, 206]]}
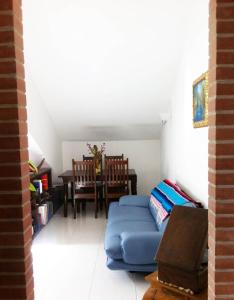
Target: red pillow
{"points": [[182, 193]]}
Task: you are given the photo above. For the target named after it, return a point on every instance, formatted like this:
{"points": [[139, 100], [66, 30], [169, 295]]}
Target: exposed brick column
{"points": [[16, 280], [221, 150]]}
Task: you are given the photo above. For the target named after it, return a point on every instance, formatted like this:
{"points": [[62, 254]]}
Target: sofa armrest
{"points": [[140, 247], [134, 200]]}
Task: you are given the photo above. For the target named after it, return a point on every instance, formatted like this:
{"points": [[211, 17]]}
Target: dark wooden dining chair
{"points": [[86, 158], [113, 157], [116, 180], [99, 183], [84, 183]]}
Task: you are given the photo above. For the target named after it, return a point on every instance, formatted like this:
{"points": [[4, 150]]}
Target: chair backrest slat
{"points": [[116, 172], [84, 172], [108, 158], [89, 158]]}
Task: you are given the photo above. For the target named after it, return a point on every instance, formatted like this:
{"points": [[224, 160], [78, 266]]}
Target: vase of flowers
{"points": [[97, 154]]}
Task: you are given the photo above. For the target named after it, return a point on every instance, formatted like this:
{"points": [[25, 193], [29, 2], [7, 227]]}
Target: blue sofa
{"points": [[132, 235]]}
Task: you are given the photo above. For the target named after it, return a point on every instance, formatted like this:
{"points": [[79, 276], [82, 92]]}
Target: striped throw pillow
{"points": [[157, 210], [167, 205], [173, 196]]}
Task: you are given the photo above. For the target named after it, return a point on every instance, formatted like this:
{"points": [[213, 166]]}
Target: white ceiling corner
{"points": [[106, 69]]}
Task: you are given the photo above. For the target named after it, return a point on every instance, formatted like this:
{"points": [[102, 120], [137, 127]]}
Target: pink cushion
{"points": [[181, 192]]}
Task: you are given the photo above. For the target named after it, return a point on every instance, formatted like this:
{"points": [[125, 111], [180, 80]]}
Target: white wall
{"points": [[144, 157], [43, 139], [185, 149]]}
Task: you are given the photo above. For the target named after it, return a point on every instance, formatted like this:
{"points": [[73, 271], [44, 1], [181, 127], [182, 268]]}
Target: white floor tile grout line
{"points": [[134, 283], [95, 267]]}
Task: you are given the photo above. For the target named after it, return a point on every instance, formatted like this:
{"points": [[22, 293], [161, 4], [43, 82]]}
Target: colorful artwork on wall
{"points": [[200, 101]]}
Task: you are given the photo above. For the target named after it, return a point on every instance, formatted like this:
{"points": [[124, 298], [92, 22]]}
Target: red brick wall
{"points": [[221, 150], [16, 280]]}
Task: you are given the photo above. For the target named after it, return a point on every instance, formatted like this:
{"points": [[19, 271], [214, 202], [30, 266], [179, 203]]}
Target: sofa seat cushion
{"points": [[119, 213], [140, 247], [113, 240]]}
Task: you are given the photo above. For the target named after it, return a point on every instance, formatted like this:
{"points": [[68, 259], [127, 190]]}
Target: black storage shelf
{"points": [[53, 197]]}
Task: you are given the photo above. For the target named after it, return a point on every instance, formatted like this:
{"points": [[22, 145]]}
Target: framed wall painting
{"points": [[200, 101]]}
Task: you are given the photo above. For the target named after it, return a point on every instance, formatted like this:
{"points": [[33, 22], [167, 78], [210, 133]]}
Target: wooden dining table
{"points": [[67, 178]]}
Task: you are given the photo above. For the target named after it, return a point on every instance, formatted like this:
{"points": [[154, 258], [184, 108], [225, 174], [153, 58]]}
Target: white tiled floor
{"points": [[70, 263]]}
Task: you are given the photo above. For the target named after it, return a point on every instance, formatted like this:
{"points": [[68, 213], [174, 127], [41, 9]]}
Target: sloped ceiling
{"points": [[106, 69]]}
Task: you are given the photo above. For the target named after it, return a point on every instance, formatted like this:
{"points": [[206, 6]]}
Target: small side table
{"points": [[160, 291]]}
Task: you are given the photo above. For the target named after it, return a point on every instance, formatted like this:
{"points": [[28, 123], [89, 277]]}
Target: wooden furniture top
{"points": [[69, 173], [160, 291], [41, 172]]}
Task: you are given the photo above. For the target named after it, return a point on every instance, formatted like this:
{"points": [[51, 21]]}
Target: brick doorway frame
{"points": [[221, 150], [16, 274]]}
